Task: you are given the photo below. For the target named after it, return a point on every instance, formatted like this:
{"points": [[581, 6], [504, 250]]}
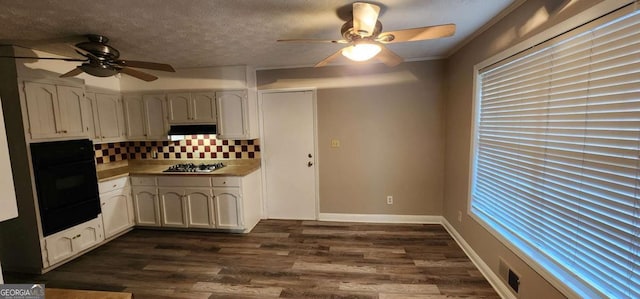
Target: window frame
{"points": [[598, 14]]}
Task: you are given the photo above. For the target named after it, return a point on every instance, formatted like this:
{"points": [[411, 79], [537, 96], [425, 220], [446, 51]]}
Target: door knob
{"points": [[309, 164], [310, 156]]}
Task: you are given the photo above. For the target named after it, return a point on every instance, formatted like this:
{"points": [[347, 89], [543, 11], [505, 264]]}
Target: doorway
{"points": [[289, 159]]}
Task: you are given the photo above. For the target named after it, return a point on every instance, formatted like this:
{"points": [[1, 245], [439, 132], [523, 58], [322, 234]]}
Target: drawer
{"points": [[225, 181], [184, 181], [114, 184], [143, 180]]}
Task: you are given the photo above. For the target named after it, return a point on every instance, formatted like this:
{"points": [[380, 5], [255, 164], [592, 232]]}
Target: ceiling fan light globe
{"points": [[361, 52]]}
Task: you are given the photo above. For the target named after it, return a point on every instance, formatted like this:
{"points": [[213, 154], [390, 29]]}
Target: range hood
{"points": [[192, 129]]}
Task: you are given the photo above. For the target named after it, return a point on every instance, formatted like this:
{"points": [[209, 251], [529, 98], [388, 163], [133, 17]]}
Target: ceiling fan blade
{"points": [[310, 40], [329, 59], [388, 57], [145, 65], [72, 73], [138, 74], [57, 46], [84, 53], [49, 58], [365, 16], [417, 34]]}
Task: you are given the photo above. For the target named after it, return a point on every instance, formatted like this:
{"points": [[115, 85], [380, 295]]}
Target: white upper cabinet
{"points": [[190, 108], [179, 108], [88, 118], [70, 105], [155, 117], [237, 114], [110, 117], [54, 111], [134, 117], [145, 117], [204, 107]]}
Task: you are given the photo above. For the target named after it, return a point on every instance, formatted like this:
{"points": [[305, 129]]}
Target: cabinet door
{"points": [[70, 242], [179, 108], [87, 117], [228, 208], [199, 205], [232, 114], [172, 207], [108, 116], [115, 211], [59, 246], [42, 110], [204, 107], [134, 117], [155, 117], [146, 206], [87, 236], [70, 105]]}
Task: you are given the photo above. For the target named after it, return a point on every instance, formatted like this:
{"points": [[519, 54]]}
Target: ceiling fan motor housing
{"points": [[97, 45], [99, 69], [349, 34]]}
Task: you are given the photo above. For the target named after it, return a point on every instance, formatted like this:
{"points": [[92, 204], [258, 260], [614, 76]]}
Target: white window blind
{"points": [[557, 155]]}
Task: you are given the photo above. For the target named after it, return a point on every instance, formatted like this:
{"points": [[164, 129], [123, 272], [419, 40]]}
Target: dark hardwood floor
{"points": [[294, 259]]}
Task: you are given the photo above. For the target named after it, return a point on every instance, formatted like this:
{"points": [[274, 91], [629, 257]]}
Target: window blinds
{"points": [[557, 154]]}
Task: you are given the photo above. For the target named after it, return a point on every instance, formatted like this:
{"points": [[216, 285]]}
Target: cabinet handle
{"points": [[309, 164], [65, 131]]}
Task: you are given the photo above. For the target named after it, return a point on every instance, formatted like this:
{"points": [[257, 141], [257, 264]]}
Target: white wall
{"points": [[54, 68], [226, 77]]}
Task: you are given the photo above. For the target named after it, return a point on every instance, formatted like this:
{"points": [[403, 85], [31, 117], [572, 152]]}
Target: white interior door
{"points": [[289, 154]]}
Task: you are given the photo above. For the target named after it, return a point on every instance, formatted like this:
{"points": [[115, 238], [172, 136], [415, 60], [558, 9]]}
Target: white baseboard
{"points": [[380, 218], [501, 288]]}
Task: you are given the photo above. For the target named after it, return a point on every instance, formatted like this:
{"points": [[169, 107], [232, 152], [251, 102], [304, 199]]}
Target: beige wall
{"points": [[389, 123], [530, 18]]}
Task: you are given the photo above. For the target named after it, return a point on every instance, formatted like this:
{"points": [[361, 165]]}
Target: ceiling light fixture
{"points": [[361, 51]]}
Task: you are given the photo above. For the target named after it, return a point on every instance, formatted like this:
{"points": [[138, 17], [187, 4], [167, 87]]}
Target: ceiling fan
{"points": [[363, 33], [102, 60]]}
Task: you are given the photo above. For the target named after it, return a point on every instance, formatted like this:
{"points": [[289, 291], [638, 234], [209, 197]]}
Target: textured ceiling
{"points": [[198, 33]]}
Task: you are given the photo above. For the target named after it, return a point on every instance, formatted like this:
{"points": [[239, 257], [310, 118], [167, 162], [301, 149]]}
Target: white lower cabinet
{"points": [[172, 207], [70, 242], [146, 206], [227, 205], [198, 202], [117, 211], [116, 205], [199, 207]]}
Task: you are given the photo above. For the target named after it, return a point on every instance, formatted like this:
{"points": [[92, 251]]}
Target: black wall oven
{"points": [[66, 183]]}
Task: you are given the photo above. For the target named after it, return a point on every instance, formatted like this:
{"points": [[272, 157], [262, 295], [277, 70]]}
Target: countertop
{"points": [[118, 169]]}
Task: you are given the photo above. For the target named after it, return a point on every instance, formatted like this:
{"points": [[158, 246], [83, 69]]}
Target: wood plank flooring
{"points": [[285, 259]]}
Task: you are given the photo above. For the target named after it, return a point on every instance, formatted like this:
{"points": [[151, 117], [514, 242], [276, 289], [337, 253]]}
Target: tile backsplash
{"points": [[192, 147]]}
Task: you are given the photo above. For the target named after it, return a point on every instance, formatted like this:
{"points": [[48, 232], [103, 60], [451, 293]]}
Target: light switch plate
{"points": [[335, 143]]}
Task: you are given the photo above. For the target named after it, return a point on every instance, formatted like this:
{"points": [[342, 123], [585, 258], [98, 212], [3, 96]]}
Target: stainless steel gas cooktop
{"points": [[190, 167]]}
